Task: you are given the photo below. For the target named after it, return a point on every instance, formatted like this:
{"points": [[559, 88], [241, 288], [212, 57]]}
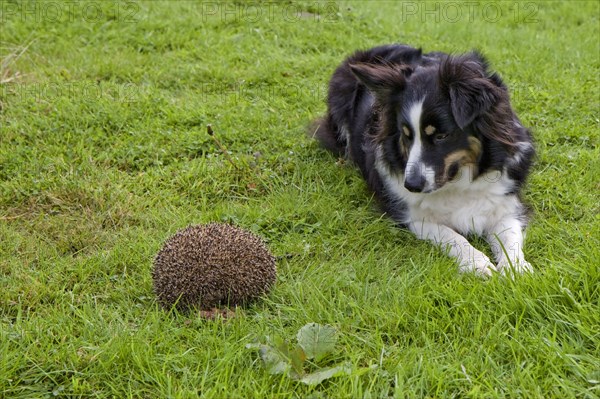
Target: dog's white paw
{"points": [[480, 265], [514, 266]]}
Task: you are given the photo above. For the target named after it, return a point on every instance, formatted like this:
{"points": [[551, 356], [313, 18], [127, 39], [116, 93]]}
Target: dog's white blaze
{"points": [[414, 118], [416, 151]]}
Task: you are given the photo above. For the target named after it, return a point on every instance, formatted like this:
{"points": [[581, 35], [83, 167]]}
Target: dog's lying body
{"points": [[436, 139]]}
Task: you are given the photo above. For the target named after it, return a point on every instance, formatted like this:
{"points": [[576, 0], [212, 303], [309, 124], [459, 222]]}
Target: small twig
{"points": [[211, 133], [314, 133], [12, 217]]}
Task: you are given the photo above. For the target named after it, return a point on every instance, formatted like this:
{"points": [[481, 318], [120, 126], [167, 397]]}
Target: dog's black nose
{"points": [[414, 182]]}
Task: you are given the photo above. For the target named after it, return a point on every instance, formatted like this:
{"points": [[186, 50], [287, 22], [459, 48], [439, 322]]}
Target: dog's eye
{"points": [[440, 136], [406, 131]]}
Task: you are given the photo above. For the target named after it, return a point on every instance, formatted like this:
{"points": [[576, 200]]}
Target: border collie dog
{"points": [[437, 141]]}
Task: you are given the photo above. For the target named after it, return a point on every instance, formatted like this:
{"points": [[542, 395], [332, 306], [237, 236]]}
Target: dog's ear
{"points": [[472, 92], [381, 80]]}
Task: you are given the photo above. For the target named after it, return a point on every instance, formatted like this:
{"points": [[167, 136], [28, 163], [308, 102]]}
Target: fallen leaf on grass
{"points": [[274, 360], [317, 340], [323, 374]]}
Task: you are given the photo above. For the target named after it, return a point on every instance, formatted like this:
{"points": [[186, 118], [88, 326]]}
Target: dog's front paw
{"points": [[514, 266], [480, 265]]}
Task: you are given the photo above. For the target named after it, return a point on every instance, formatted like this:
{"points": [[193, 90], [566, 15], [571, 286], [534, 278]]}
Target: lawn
{"points": [[104, 155]]}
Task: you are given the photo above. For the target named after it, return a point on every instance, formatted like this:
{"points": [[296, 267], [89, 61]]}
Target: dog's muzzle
{"points": [[414, 180]]}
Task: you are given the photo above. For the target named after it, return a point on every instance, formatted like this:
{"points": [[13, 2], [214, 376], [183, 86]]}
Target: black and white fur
{"points": [[436, 139]]}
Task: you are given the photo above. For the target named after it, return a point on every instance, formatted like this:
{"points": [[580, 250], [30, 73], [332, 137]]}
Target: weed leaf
{"points": [[317, 340], [275, 361], [323, 374], [298, 358]]}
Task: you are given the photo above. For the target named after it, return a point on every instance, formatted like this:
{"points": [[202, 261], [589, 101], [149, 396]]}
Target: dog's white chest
{"points": [[466, 205]]}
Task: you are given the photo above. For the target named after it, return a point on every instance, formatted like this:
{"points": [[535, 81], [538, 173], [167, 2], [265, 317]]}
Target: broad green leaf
{"points": [[321, 375], [275, 361], [298, 358], [317, 340]]}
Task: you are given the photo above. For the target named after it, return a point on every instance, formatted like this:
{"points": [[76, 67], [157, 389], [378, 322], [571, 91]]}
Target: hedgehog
{"points": [[205, 266]]}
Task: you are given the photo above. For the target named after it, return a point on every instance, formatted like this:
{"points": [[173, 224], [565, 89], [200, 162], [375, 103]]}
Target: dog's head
{"points": [[435, 117]]}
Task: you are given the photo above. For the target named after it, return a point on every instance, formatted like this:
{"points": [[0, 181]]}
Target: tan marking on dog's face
{"points": [[406, 131], [464, 156], [429, 130]]}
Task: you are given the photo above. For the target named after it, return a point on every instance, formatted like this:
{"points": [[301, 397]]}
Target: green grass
{"points": [[104, 154]]}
